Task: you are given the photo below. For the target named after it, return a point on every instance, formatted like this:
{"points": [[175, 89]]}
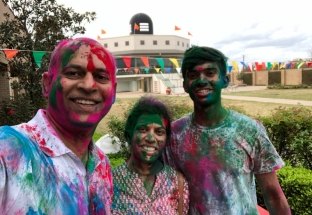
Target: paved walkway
{"points": [[269, 100]]}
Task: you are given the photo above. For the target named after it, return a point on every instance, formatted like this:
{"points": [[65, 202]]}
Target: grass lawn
{"points": [[253, 109], [296, 94]]}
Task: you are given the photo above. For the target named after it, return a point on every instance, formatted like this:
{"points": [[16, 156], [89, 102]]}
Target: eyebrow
{"points": [[78, 67]]}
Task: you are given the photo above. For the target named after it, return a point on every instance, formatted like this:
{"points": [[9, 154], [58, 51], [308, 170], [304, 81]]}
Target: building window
{"points": [[187, 45], [167, 42], [105, 45], [116, 44], [178, 43], [182, 44], [154, 42], [127, 43], [142, 42]]}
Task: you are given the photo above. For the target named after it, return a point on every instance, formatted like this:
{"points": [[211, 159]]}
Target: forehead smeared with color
{"points": [[66, 49]]}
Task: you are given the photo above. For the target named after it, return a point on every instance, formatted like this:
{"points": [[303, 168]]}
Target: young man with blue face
{"points": [[50, 165], [220, 151]]}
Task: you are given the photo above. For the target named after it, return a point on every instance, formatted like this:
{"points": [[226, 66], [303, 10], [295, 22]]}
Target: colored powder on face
{"points": [[90, 65], [56, 87], [66, 57]]}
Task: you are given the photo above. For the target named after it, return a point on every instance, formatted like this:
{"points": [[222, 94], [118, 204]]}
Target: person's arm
{"points": [[274, 197], [2, 184]]}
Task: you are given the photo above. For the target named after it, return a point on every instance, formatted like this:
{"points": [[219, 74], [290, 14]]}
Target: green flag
{"points": [[38, 55], [161, 63]]}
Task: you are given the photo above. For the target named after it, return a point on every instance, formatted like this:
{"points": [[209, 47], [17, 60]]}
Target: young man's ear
{"points": [[226, 80], [46, 84], [115, 91]]}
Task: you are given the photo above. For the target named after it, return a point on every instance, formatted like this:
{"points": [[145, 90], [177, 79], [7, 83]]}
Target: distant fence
{"points": [[282, 77]]}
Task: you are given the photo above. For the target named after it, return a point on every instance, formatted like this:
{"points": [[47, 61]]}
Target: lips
{"points": [[84, 101], [150, 150], [203, 91], [85, 105]]}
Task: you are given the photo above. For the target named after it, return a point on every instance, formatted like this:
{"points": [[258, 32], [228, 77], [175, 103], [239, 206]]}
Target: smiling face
{"points": [[204, 84], [84, 89], [148, 139]]}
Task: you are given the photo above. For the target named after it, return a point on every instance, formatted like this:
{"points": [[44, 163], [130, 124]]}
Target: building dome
{"points": [[141, 23]]}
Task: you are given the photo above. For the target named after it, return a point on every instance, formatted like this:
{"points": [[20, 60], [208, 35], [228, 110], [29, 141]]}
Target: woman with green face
{"points": [[144, 184]]}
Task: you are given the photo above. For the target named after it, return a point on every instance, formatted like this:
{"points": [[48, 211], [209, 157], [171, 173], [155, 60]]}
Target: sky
{"points": [[249, 30]]}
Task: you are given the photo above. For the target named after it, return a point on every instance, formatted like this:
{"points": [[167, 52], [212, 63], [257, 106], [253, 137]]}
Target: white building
{"points": [[147, 62]]}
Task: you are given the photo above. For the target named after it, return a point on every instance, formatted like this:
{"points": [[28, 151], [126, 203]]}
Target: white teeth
{"points": [[204, 91], [149, 149], [85, 102]]}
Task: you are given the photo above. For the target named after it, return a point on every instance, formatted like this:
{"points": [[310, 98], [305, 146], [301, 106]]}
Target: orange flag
{"points": [[10, 53], [145, 61], [103, 31], [98, 37], [176, 28], [136, 26]]}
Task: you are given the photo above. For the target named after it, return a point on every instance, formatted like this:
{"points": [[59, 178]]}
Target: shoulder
{"points": [[120, 170], [244, 122], [100, 163], [172, 172], [11, 139], [98, 153], [15, 149], [182, 123]]}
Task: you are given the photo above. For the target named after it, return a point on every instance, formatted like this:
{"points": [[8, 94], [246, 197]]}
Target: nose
{"points": [[88, 82], [150, 137], [202, 75]]}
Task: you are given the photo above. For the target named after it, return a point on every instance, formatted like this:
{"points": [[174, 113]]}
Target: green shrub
{"points": [[96, 137], [297, 186], [177, 110], [116, 129], [13, 112], [116, 159], [290, 130], [296, 183]]}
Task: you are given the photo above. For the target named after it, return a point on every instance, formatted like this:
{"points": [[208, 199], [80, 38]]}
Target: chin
{"points": [[85, 120]]}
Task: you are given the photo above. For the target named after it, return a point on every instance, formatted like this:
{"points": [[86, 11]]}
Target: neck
{"points": [[209, 116], [76, 139], [144, 169]]}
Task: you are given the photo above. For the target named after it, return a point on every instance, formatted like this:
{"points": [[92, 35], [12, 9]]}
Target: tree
{"points": [[37, 25]]}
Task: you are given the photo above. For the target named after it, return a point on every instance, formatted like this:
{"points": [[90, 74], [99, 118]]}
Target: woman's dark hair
{"points": [[201, 54], [147, 105]]}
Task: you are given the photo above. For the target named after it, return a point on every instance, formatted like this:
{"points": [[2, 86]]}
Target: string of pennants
{"points": [[147, 62], [38, 55], [127, 61], [262, 66]]}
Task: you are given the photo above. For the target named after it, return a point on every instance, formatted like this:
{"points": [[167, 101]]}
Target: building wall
{"points": [[176, 47], [292, 76], [261, 78], [5, 81], [4, 87]]}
